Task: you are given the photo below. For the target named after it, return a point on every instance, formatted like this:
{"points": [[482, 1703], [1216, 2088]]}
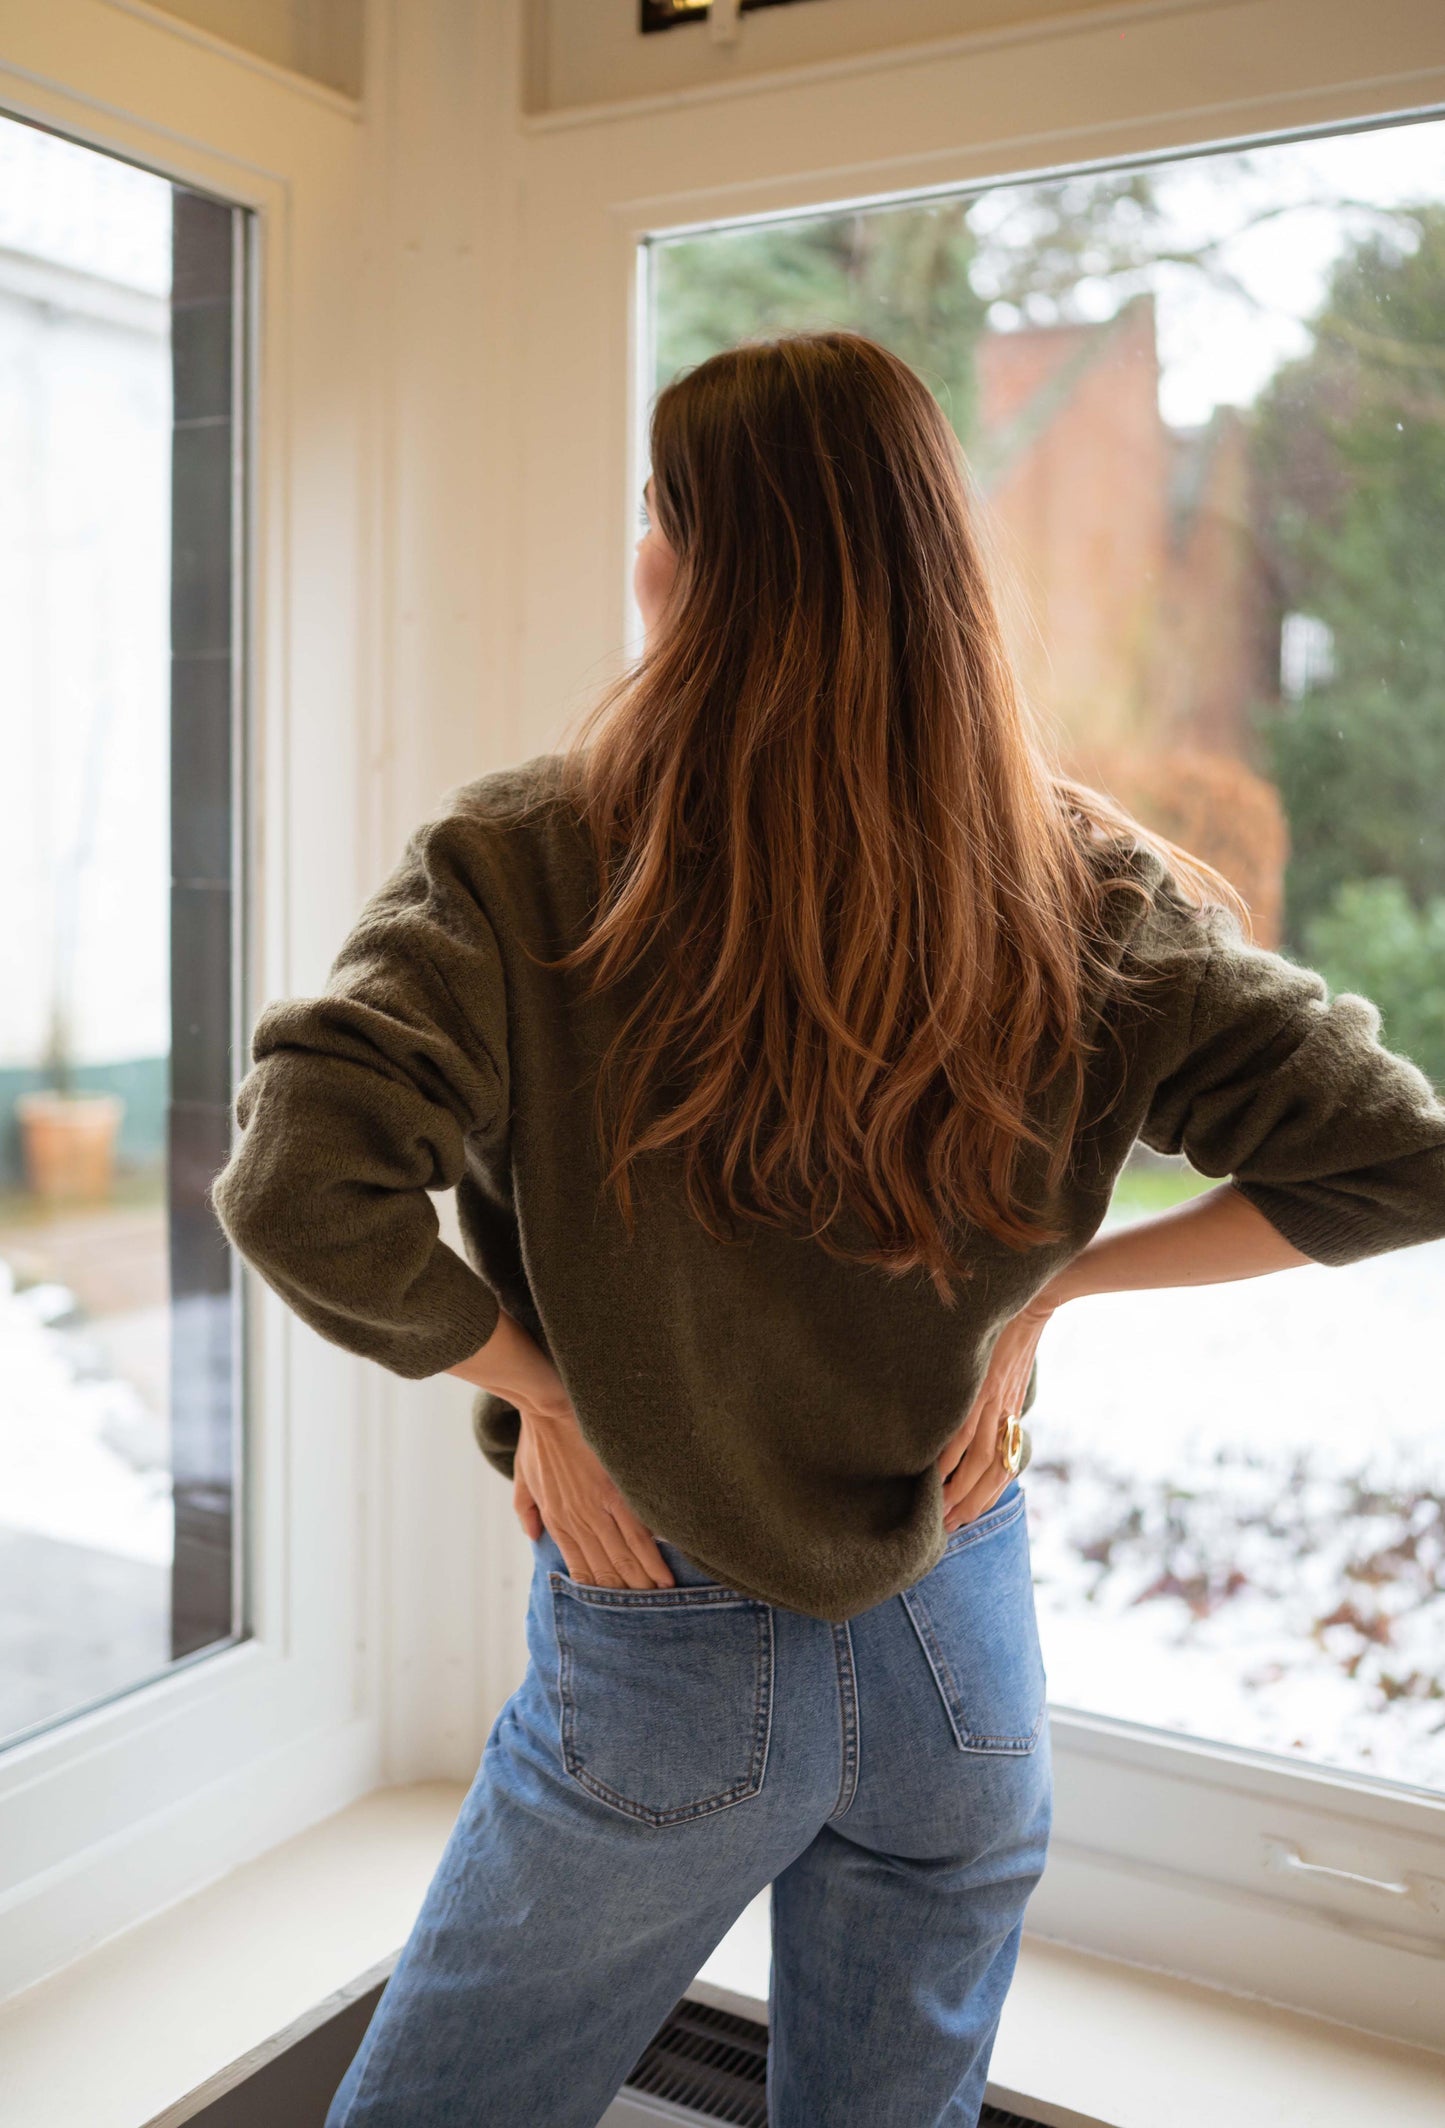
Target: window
{"points": [[196, 1678], [1201, 398], [120, 626], [667, 14], [1306, 654]]}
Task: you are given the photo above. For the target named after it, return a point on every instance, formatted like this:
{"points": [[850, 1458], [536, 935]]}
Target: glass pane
{"points": [[670, 14], [118, 530], [1205, 403]]}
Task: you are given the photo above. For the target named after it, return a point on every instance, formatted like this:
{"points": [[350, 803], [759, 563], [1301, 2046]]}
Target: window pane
{"points": [[118, 680], [1205, 403]]}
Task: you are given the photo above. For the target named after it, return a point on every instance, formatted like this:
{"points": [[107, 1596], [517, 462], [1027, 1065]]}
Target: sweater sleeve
{"points": [[1289, 1091], [360, 1101]]}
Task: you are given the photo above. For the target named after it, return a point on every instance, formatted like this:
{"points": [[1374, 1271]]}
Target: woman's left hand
{"points": [[970, 1464], [558, 1482]]}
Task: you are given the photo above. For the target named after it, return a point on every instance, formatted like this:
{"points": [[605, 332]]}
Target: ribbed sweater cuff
{"points": [[1321, 1231], [471, 1315]]}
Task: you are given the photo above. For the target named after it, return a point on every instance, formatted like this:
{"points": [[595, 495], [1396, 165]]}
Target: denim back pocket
{"points": [[974, 1615], [666, 1695]]}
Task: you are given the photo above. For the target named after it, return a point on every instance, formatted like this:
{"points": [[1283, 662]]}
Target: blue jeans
{"points": [[668, 1754]]}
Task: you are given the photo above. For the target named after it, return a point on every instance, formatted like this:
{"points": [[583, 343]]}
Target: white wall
{"points": [[593, 51], [319, 38]]}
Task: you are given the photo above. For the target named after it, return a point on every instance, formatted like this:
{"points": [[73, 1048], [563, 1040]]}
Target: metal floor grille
{"points": [[713, 2065], [711, 2061]]}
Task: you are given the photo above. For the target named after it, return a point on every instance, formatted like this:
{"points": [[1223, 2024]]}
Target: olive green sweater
{"points": [[772, 1410]]}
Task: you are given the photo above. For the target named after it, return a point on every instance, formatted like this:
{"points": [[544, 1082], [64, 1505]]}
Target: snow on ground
{"points": [[1236, 1514], [59, 1476]]}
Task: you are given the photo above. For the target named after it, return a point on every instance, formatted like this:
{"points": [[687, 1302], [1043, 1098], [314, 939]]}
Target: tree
{"points": [[901, 275], [1210, 804], [1372, 939], [1351, 457], [921, 278]]}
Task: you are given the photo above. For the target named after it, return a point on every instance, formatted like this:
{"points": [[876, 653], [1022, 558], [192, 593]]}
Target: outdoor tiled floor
{"points": [[112, 1257], [76, 1624], [84, 1433]]}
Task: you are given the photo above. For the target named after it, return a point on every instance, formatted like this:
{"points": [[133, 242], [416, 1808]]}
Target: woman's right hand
{"points": [[970, 1464], [556, 1475]]}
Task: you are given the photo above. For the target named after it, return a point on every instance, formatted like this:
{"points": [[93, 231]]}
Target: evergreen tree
{"points": [[1351, 453]]}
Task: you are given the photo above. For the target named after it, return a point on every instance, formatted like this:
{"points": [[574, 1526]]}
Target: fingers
{"points": [[623, 1564], [971, 1464], [607, 1558], [580, 1561], [643, 1560], [610, 1549], [973, 1486], [559, 1484], [977, 1501], [526, 1507], [981, 1446], [958, 1443], [631, 1550], [583, 1552], [979, 1476]]}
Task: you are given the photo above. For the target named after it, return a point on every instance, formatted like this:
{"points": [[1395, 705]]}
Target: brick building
{"points": [[1139, 616]]}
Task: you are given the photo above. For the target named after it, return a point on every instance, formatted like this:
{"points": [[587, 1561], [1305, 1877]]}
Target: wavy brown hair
{"points": [[862, 900]]}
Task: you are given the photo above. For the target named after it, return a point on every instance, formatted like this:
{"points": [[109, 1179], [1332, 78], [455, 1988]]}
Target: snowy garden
{"points": [[1237, 1512], [86, 1525]]}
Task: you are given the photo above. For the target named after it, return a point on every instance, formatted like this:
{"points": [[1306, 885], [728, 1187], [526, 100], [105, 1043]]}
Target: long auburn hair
{"points": [[823, 821]]}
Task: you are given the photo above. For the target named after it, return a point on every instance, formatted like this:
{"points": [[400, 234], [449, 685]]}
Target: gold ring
{"points": [[1011, 1441]]}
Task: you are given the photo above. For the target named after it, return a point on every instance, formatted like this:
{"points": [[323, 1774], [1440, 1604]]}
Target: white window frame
{"points": [[113, 1814], [1161, 1852]]}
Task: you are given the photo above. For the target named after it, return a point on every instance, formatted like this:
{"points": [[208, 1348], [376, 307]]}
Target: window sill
{"points": [[182, 2008], [1089, 2042]]}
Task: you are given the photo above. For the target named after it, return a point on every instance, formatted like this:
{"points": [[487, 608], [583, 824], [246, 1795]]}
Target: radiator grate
{"points": [[710, 2060], [715, 2064]]}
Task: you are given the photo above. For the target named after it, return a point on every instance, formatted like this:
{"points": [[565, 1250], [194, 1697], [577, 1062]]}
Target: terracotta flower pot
{"points": [[68, 1142]]}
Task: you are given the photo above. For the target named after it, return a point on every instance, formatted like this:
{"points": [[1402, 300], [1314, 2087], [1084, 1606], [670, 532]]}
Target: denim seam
{"points": [[741, 1790], [647, 1599], [967, 1739], [848, 1715]]}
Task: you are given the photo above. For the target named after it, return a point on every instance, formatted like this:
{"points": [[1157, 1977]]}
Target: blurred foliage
{"points": [[1213, 806], [900, 275], [1350, 451], [1372, 938], [1048, 246], [1141, 1191], [1362, 775], [920, 278]]}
